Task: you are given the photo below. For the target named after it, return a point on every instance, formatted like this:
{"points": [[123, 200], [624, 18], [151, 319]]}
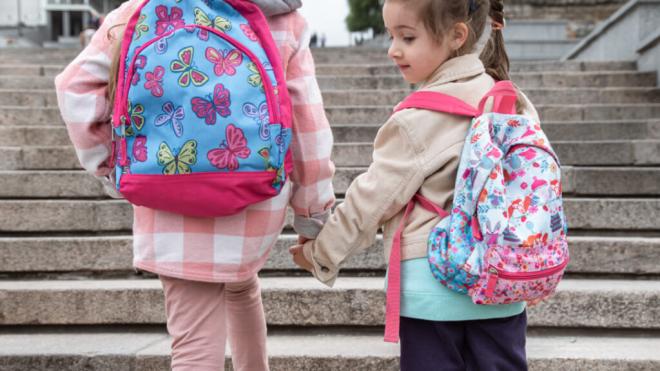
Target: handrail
{"points": [[604, 26]]}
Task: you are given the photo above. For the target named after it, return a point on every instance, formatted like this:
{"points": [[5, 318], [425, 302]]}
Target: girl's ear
{"points": [[460, 35]]}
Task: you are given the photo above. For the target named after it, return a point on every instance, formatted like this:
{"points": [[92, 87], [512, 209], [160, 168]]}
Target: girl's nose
{"points": [[393, 52]]}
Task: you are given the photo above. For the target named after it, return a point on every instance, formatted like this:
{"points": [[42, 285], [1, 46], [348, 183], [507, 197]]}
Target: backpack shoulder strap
{"points": [[393, 296], [504, 94], [438, 102]]}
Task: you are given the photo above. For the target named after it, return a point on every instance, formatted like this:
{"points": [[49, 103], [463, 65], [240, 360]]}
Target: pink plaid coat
{"points": [[208, 249]]}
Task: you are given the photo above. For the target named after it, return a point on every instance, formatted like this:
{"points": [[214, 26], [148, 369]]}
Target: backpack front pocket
{"points": [[520, 273]]}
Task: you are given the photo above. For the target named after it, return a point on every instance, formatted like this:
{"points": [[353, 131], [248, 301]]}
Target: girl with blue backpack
{"points": [[467, 189], [206, 116]]}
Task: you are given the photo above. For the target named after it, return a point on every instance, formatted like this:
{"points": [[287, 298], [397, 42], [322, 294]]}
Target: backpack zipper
{"points": [[494, 274]]}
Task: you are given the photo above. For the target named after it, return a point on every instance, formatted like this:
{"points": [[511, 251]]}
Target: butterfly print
{"points": [[280, 140], [172, 115], [140, 148], [189, 73], [140, 63], [255, 78], [180, 162], [141, 28], [161, 44], [136, 115], [231, 149], [218, 104], [168, 22], [260, 115], [249, 32], [203, 34], [224, 61], [155, 81], [265, 154], [219, 23]]}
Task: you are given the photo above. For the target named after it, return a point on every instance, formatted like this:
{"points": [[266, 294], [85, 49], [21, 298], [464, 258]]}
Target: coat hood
{"points": [[275, 7]]}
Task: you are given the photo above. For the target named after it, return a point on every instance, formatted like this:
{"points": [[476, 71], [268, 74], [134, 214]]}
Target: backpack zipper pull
{"points": [[493, 275], [123, 145]]}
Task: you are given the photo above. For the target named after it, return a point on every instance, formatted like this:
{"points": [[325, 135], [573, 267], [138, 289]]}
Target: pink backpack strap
{"points": [[438, 102], [393, 300], [504, 94]]}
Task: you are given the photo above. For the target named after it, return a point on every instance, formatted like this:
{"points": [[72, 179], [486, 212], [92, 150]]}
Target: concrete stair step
{"points": [[527, 80], [47, 97], [596, 153], [579, 181], [15, 136], [539, 30], [302, 301], [26, 69], [112, 255], [516, 67], [547, 112], [30, 116], [34, 135], [576, 180], [538, 96], [28, 97], [618, 153], [556, 131], [538, 50], [321, 56], [71, 216], [305, 350]]}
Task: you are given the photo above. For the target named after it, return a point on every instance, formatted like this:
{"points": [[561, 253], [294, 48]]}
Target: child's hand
{"points": [[299, 258]]}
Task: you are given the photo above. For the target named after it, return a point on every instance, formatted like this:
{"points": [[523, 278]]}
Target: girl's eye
{"points": [[408, 39]]}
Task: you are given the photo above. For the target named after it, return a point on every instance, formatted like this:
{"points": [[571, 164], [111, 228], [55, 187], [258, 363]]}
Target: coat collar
{"points": [[457, 68]]}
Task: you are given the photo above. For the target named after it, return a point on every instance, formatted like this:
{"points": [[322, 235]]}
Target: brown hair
{"points": [[114, 63], [439, 16]]}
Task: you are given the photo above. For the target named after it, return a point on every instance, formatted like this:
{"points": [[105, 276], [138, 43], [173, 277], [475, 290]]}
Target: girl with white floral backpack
{"points": [[429, 161]]}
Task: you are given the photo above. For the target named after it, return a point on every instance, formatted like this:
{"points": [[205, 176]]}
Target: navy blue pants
{"points": [[481, 345]]}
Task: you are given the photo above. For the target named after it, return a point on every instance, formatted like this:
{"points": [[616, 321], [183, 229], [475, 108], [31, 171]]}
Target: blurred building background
{"points": [[59, 22], [48, 22]]}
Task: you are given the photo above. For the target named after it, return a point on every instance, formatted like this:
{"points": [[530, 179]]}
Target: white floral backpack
{"points": [[504, 240]]}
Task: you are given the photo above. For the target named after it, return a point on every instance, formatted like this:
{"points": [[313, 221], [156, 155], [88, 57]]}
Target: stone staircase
{"points": [[70, 300]]}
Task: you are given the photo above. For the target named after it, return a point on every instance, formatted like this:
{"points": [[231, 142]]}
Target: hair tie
{"points": [[473, 6], [497, 26]]}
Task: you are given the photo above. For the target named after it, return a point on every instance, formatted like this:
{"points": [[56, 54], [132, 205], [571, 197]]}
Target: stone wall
{"points": [[582, 14]]}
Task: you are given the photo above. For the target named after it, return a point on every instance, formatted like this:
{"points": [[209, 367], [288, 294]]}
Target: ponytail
{"points": [[494, 55]]}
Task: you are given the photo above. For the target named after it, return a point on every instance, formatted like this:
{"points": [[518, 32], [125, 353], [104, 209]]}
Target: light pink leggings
{"points": [[200, 317]]}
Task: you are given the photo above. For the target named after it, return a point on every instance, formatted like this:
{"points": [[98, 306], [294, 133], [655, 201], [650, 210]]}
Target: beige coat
{"points": [[416, 150]]}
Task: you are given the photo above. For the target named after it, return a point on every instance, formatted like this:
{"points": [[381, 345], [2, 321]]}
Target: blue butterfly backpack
{"points": [[202, 116]]}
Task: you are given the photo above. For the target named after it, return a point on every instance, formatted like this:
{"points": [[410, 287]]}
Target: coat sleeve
{"points": [[81, 95], [311, 144], [374, 197]]}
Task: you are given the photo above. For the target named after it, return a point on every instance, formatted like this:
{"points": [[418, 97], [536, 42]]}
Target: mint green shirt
{"points": [[424, 297]]}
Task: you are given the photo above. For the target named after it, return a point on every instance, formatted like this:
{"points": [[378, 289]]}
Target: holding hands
{"points": [[298, 256]]}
